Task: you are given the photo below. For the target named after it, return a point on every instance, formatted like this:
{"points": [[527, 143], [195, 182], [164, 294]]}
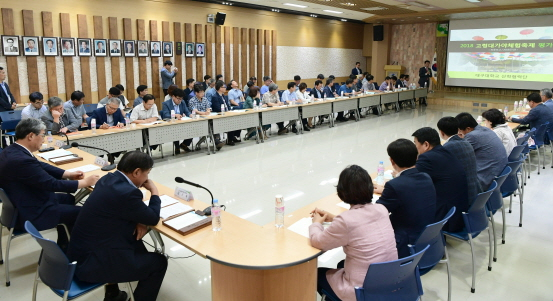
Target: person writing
{"points": [[177, 105], [57, 120], [349, 230], [145, 112], [106, 241], [109, 116]]}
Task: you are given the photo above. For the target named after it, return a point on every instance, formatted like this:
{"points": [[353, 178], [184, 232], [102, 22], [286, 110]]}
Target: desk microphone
{"points": [[207, 210], [67, 146], [110, 156]]}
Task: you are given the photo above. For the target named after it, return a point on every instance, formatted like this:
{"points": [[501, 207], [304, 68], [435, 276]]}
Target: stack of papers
{"points": [[237, 111], [151, 123], [175, 209], [54, 154], [64, 158], [165, 200], [302, 226], [84, 168], [184, 220]]}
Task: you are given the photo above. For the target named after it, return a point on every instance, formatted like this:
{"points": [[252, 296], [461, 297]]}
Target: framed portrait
{"points": [[167, 48], [114, 47], [189, 49], [142, 48], [100, 47], [30, 46], [67, 46], [84, 47], [200, 49], [10, 45], [128, 48], [155, 47], [50, 46]]}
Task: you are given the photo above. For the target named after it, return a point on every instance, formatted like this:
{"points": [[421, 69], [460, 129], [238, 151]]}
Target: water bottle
{"points": [[93, 125], [50, 139], [216, 215], [380, 173], [388, 88], [279, 211], [127, 123], [506, 110], [516, 106], [520, 107], [172, 115], [324, 97], [342, 93], [479, 120], [222, 109], [255, 105], [425, 83]]}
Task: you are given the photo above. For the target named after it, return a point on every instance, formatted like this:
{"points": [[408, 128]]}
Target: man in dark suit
{"points": [[447, 174], [424, 75], [538, 115], [463, 151], [357, 70], [328, 89], [109, 116], [410, 196], [31, 184], [100, 47], [107, 242], [317, 92], [177, 104], [7, 101], [115, 48]]}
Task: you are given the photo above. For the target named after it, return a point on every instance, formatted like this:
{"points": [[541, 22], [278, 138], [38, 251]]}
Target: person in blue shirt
{"points": [[181, 109], [235, 96], [142, 90], [345, 90], [218, 101], [290, 96], [265, 88], [385, 84], [210, 91], [167, 75]]}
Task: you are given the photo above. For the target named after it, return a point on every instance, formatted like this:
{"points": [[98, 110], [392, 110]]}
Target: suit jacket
{"points": [[100, 51], [491, 157], [411, 200], [328, 92], [84, 50], [102, 240], [31, 186], [366, 236], [115, 51], [216, 102], [167, 78], [101, 116], [5, 102], [537, 116], [68, 120], [464, 152], [155, 51], [423, 78], [7, 49], [355, 72], [30, 49], [316, 93], [167, 106], [450, 183]]}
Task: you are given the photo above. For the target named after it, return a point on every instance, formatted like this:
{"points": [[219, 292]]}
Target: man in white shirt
{"points": [[145, 112], [36, 109], [290, 97]]}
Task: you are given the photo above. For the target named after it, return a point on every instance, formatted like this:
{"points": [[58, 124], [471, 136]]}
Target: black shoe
{"points": [[230, 142], [305, 128], [282, 131], [121, 296], [351, 117], [219, 144], [294, 130], [177, 151], [185, 148]]}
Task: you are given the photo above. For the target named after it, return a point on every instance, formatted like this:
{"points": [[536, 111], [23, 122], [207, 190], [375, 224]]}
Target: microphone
{"points": [[67, 146], [207, 210], [110, 156]]}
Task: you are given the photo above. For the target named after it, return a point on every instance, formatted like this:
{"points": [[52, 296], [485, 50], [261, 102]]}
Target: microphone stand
{"points": [[67, 146], [183, 181]]}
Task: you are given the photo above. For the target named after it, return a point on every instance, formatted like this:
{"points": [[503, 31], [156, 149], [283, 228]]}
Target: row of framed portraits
{"points": [[54, 46]]}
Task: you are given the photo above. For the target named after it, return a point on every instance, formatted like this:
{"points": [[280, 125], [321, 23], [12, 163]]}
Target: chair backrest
{"points": [[393, 280], [476, 219], [515, 154], [54, 268], [280, 94], [90, 107], [539, 135], [10, 119], [9, 212], [496, 199], [550, 131], [432, 238], [524, 139], [510, 184]]}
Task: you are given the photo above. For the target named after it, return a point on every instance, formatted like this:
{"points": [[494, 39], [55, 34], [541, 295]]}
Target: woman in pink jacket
{"points": [[364, 232]]}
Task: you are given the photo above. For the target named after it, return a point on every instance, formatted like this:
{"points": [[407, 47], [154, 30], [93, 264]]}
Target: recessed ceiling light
{"points": [[374, 8], [348, 4], [332, 11], [473, 1], [393, 19], [295, 5], [275, 10], [343, 20], [419, 17], [427, 19], [314, 16]]}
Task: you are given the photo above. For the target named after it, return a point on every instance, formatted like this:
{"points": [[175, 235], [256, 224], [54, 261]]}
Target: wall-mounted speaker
{"points": [[378, 33], [220, 18]]}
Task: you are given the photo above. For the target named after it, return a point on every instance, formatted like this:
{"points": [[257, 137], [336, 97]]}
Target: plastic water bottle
{"points": [[506, 110], [255, 105], [222, 109], [50, 139], [342, 93], [388, 88], [516, 106], [380, 173], [127, 123], [279, 211], [479, 120], [324, 97], [172, 115], [93, 125], [425, 83], [216, 215]]}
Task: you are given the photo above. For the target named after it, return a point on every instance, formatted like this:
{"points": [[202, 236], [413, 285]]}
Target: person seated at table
{"points": [[199, 105], [106, 241], [386, 85], [181, 110], [189, 89], [31, 184], [57, 120], [235, 96], [36, 109], [75, 107], [495, 120], [266, 82], [538, 115], [141, 90], [364, 232], [218, 102], [210, 89], [406, 80], [355, 87], [248, 85], [254, 96], [124, 101], [288, 97], [318, 91], [108, 116], [463, 151], [114, 92], [400, 83], [336, 86], [368, 85], [546, 96], [145, 112], [488, 149], [304, 97], [345, 90], [410, 197], [329, 89], [169, 91], [448, 176], [271, 99]]}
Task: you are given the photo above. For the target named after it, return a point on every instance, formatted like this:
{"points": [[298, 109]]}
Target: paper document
{"points": [[54, 154], [515, 116], [302, 226], [185, 118], [151, 123], [85, 168], [185, 220], [238, 111], [64, 158], [167, 200], [213, 114], [173, 210]]}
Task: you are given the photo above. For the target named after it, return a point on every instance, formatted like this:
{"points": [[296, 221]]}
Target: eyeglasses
{"points": [[42, 135]]}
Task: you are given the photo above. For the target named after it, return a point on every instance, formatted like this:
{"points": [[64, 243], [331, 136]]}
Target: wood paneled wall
{"points": [[250, 48]]}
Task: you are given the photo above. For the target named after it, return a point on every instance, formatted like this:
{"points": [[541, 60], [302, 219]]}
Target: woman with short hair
{"points": [[495, 120]]}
